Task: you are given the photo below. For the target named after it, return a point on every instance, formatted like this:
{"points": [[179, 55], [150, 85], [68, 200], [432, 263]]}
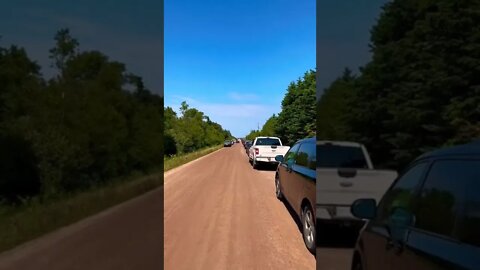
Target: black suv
{"points": [[295, 182], [428, 219]]}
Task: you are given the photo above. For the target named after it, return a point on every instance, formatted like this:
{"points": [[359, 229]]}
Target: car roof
{"points": [[309, 140], [342, 143], [469, 149]]}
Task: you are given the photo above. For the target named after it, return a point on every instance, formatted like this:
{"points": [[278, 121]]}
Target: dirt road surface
{"points": [[332, 258], [222, 214], [127, 236]]}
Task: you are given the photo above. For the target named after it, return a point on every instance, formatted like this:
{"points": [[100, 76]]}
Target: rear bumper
{"points": [[266, 159], [337, 215]]}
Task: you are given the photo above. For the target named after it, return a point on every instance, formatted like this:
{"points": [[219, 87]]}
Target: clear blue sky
{"points": [[127, 31], [344, 36], [233, 60]]}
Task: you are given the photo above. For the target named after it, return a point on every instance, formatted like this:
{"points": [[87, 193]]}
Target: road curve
{"points": [[222, 214]]}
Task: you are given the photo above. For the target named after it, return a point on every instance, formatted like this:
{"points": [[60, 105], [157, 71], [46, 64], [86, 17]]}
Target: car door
{"points": [[376, 238], [285, 171], [442, 238], [303, 176]]}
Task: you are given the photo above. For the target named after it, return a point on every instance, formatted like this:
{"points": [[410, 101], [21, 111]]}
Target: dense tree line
{"points": [[296, 120], [191, 130], [91, 123], [420, 91]]}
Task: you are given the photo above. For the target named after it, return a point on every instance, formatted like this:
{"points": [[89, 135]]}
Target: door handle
{"points": [[397, 247], [389, 245]]}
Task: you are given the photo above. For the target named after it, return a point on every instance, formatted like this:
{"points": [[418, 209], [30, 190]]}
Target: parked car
{"points": [[295, 183], [248, 144], [227, 143], [428, 219], [345, 173], [265, 149]]}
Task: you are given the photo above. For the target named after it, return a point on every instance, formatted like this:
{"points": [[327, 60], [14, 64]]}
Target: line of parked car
{"points": [[426, 217], [294, 176]]}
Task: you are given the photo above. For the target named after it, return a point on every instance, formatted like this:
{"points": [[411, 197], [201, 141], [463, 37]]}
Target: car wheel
{"points": [[357, 265], [278, 189], [308, 228]]}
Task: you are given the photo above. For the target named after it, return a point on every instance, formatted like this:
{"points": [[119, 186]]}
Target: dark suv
{"points": [[295, 182], [428, 219]]}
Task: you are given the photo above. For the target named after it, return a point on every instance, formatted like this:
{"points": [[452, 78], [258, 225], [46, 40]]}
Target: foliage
{"points": [[297, 118], [421, 89], [79, 129], [190, 131]]}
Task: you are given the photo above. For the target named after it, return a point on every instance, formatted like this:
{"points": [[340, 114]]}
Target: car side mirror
{"points": [[279, 158], [364, 208]]}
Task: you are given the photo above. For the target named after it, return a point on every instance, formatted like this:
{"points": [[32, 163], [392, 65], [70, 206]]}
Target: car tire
{"points": [[278, 188], [308, 228], [357, 265], [254, 164]]}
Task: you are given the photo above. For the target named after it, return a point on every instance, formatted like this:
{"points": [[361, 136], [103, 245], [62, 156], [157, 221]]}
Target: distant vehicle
{"points": [[265, 149], [295, 183], [345, 173], [227, 143], [428, 219]]}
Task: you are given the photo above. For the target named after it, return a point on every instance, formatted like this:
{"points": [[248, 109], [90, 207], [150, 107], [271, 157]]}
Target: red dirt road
{"points": [[220, 213]]}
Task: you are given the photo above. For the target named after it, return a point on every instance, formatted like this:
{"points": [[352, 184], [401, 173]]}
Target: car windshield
{"points": [[268, 141], [337, 156]]}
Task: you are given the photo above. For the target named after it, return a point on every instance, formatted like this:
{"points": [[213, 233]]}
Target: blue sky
{"points": [[126, 31], [233, 60], [344, 36]]}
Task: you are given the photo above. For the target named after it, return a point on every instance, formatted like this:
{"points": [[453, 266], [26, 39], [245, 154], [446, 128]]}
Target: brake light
{"points": [[256, 151]]}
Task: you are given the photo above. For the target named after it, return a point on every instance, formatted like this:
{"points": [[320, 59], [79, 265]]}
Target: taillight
{"points": [[256, 151]]}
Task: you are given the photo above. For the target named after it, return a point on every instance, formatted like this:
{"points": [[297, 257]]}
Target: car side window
{"points": [[291, 154], [301, 158], [306, 154], [468, 226], [312, 157], [403, 192], [450, 201], [442, 194]]}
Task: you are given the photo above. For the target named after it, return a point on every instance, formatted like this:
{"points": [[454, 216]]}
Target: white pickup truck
{"points": [[265, 149], [345, 173]]}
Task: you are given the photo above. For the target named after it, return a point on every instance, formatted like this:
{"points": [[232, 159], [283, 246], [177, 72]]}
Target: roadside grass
{"points": [[175, 161], [36, 217]]}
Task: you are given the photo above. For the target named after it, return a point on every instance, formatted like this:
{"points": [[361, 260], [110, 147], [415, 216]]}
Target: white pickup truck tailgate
{"points": [[271, 151], [335, 189]]}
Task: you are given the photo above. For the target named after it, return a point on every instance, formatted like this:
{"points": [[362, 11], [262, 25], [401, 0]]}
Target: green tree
{"points": [[333, 109], [421, 89], [268, 128], [297, 118]]}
